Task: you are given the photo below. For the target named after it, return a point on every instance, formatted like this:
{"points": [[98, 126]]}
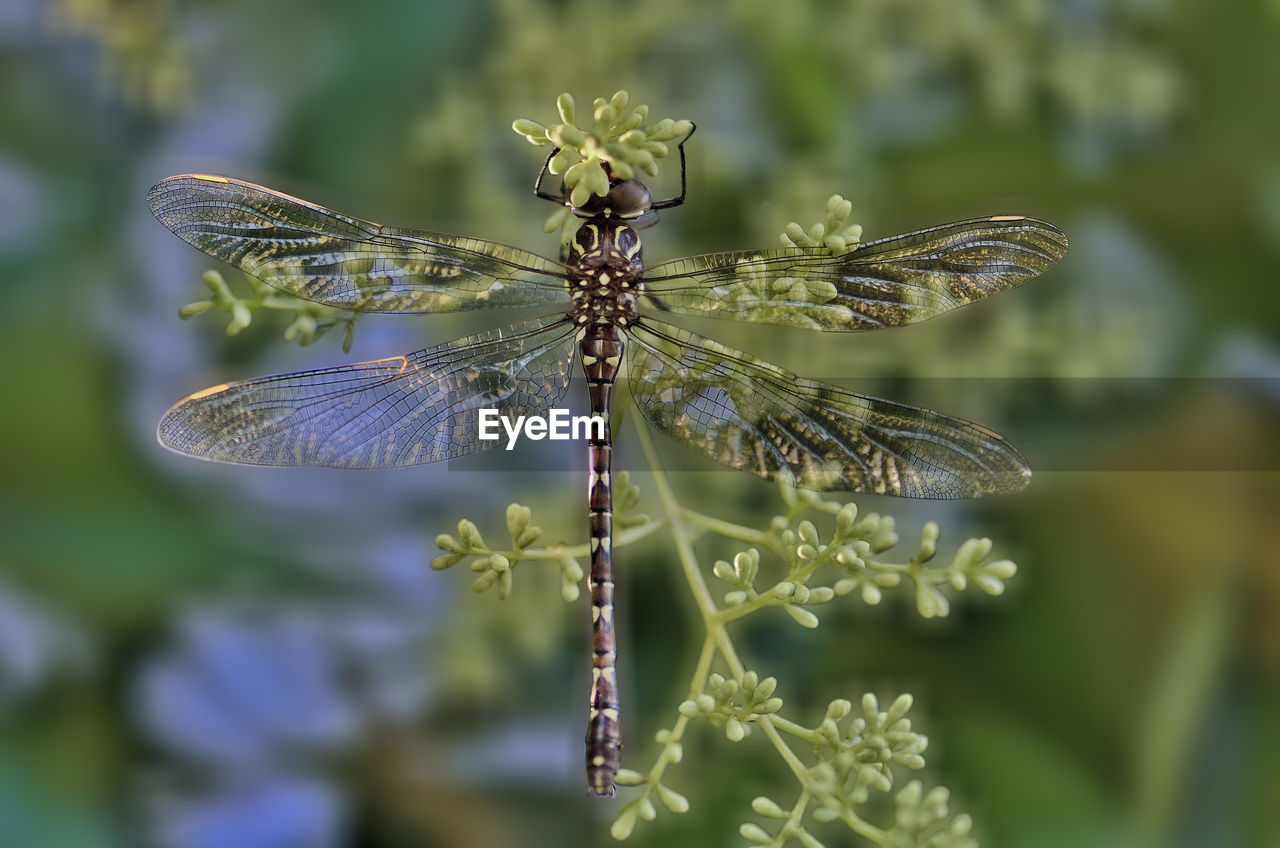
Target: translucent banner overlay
{"points": [[1073, 425]]}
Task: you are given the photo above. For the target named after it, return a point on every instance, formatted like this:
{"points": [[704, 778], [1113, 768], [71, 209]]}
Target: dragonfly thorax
{"points": [[604, 272]]}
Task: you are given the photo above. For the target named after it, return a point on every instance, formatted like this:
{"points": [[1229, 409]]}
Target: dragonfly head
{"points": [[627, 200]]}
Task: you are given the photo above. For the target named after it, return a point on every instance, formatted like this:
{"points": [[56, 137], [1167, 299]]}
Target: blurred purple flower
{"points": [[251, 701], [242, 690], [286, 811], [35, 645]]}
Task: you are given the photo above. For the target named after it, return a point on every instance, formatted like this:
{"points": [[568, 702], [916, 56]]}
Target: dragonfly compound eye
{"points": [[629, 199]]}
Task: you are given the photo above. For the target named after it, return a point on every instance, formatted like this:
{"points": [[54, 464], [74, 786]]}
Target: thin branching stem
{"points": [[746, 535], [558, 552]]}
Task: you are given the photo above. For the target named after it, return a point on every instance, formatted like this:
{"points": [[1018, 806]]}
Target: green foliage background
{"points": [[1123, 693]]}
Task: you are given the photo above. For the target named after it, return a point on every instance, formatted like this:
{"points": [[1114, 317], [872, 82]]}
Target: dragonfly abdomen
{"points": [[601, 347]]}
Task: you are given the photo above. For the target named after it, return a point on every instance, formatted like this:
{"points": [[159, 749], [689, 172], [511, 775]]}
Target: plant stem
{"points": [[747, 535], [718, 635]]}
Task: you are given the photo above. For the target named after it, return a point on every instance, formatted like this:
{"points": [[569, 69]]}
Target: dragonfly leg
{"points": [[537, 184], [676, 201]]}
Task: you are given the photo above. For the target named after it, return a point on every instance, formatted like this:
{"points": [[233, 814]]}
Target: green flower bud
{"points": [[445, 561], [240, 318], [191, 310], [766, 807], [629, 777], [989, 584], [624, 824], [899, 708], [971, 552], [565, 106], [470, 534], [216, 284], [672, 800], [930, 602], [839, 708], [802, 616], [571, 570], [533, 132], [888, 580], [911, 761], [928, 542], [1001, 568], [518, 518], [848, 557]]}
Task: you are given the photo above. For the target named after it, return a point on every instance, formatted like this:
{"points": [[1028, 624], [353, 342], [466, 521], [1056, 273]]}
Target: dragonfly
{"points": [[608, 308]]}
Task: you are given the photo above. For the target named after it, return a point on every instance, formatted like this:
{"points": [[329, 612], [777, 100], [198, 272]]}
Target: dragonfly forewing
{"points": [[401, 411], [893, 281], [754, 416], [323, 256]]}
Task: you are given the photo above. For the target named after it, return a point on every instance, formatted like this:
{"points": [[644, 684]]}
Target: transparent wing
{"points": [[893, 281], [317, 254], [754, 416], [405, 410]]}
